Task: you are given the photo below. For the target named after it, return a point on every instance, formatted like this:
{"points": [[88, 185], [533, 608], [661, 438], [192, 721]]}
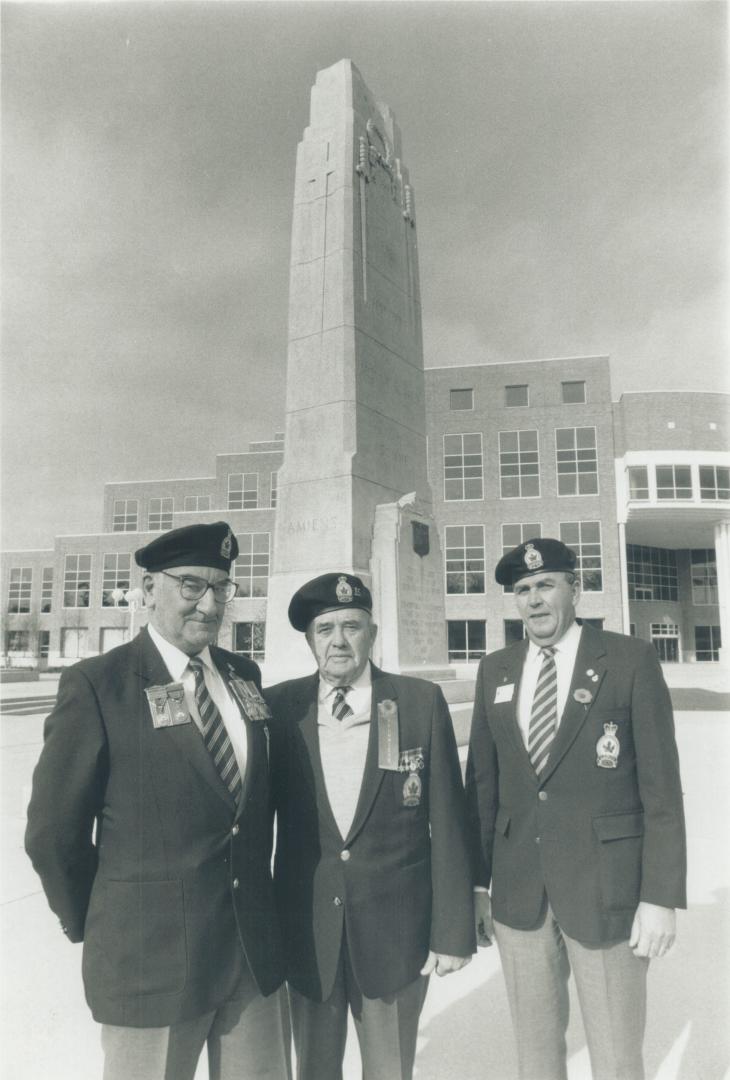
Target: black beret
{"points": [[330, 592], [538, 556], [193, 545]]}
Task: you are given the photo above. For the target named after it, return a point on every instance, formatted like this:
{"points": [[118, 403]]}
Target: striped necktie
{"points": [[340, 709], [544, 715], [215, 736]]}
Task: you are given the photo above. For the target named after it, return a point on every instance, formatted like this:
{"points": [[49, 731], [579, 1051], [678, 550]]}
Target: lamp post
{"points": [[134, 598]]}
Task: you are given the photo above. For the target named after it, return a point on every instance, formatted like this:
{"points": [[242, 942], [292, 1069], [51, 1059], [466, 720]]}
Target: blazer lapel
{"points": [[185, 738], [373, 776], [590, 657], [513, 666]]}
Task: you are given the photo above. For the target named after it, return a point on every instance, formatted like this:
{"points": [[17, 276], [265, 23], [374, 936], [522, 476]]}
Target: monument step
{"points": [[437, 675]]}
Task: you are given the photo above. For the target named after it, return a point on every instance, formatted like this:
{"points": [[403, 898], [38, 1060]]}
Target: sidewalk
{"points": [[48, 1033]]}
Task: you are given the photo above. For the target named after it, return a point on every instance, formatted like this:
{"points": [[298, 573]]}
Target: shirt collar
{"points": [[362, 682], [568, 643], [176, 661]]}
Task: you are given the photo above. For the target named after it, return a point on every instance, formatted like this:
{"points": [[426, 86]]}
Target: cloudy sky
{"points": [[569, 164]]}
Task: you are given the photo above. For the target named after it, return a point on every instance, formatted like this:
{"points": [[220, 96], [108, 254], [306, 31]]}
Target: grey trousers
{"points": [[247, 1037], [611, 985]]}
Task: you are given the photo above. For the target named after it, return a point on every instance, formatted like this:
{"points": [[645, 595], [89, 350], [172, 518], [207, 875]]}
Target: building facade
{"points": [[639, 488]]}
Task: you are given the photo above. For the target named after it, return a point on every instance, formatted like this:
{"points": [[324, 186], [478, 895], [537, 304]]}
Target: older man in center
{"points": [[372, 872]]}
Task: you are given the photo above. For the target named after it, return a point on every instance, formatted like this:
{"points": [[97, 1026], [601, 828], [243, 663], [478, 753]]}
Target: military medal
{"points": [[607, 748], [412, 762], [167, 705], [248, 697]]}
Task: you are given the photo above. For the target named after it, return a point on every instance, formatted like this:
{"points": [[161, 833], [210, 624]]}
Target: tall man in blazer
{"points": [[577, 822], [151, 829], [372, 868]]}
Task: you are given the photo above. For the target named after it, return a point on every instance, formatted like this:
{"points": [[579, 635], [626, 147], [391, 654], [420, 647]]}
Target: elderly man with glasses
{"points": [[150, 828]]}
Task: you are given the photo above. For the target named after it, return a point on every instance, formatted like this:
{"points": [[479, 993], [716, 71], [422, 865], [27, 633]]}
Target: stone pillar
{"points": [[722, 556], [624, 578], [355, 400]]}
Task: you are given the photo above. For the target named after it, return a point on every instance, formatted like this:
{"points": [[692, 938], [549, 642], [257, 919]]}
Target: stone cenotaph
{"points": [[353, 492]]}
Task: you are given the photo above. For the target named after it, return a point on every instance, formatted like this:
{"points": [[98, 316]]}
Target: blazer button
{"points": [[542, 796], [234, 830], [345, 855], [235, 883], [537, 839], [337, 901]]}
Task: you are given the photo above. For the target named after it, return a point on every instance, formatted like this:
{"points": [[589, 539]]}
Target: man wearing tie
{"points": [[151, 830], [372, 868], [576, 819]]}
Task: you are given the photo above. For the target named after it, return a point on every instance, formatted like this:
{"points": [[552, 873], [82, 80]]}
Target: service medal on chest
{"points": [[607, 748]]}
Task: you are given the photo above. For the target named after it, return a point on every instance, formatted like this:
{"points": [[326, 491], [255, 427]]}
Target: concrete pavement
{"points": [[465, 1032]]}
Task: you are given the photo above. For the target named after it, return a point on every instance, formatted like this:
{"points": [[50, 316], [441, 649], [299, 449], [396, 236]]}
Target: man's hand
{"points": [[483, 917], [653, 930], [443, 964]]}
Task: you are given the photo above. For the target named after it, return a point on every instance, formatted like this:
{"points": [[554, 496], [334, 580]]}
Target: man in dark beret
{"points": [[576, 818], [150, 827], [372, 869]]}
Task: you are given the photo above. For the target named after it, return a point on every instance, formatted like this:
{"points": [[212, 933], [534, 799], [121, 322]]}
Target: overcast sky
{"points": [[569, 165]]}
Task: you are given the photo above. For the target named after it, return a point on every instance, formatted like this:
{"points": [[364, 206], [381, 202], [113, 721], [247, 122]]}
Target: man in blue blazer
{"points": [[372, 868], [577, 821], [151, 829]]}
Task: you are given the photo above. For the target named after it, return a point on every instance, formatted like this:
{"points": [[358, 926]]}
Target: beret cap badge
{"points": [[343, 590], [227, 545], [533, 558]]}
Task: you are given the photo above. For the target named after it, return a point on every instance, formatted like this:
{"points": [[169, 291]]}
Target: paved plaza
{"points": [[47, 1031]]}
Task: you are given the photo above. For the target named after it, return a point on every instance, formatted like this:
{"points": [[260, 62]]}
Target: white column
{"points": [[722, 555], [624, 576]]}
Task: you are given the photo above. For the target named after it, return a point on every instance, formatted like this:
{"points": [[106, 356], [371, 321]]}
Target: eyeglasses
{"points": [[195, 588]]}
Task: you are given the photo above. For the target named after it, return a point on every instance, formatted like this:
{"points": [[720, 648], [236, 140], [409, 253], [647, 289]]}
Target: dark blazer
{"points": [[173, 892], [400, 880], [598, 840]]}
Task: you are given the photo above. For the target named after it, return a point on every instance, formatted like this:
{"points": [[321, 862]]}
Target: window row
{"points": [[576, 461], [243, 494], [674, 482], [653, 574], [20, 588], [517, 395], [465, 555], [467, 638]]}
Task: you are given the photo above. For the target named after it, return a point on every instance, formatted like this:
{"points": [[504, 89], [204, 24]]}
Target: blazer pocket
{"points": [[620, 845], [145, 942], [501, 821]]}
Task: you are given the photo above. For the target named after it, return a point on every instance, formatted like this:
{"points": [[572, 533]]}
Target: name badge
{"points": [[504, 693], [388, 735], [167, 705]]}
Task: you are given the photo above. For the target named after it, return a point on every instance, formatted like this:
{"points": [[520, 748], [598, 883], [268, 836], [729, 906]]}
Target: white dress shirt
{"points": [[176, 662], [343, 746], [565, 653]]}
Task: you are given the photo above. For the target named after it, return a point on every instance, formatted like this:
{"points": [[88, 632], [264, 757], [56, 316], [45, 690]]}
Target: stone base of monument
{"points": [[407, 585]]}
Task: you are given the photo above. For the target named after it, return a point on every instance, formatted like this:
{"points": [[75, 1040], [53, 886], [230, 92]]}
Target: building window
{"points": [[463, 467], [17, 643], [461, 399], [251, 572], [110, 637], [665, 636], [638, 482], [673, 482], [73, 641], [519, 465], [19, 590], [464, 558], [44, 644], [249, 639], [77, 581], [47, 588], [516, 397], [467, 639], [116, 575], [243, 491], [652, 573], [160, 515], [584, 537], [513, 536], [273, 489], [193, 503], [574, 393], [577, 461], [704, 576], [514, 631], [126, 513], [714, 482], [707, 643]]}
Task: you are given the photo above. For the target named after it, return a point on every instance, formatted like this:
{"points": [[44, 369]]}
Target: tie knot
{"points": [[548, 651], [196, 665], [342, 692]]}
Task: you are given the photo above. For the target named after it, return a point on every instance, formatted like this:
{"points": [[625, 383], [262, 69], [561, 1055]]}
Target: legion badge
{"points": [[227, 545], [532, 557], [412, 762], [343, 590], [608, 747], [167, 705], [388, 735]]}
